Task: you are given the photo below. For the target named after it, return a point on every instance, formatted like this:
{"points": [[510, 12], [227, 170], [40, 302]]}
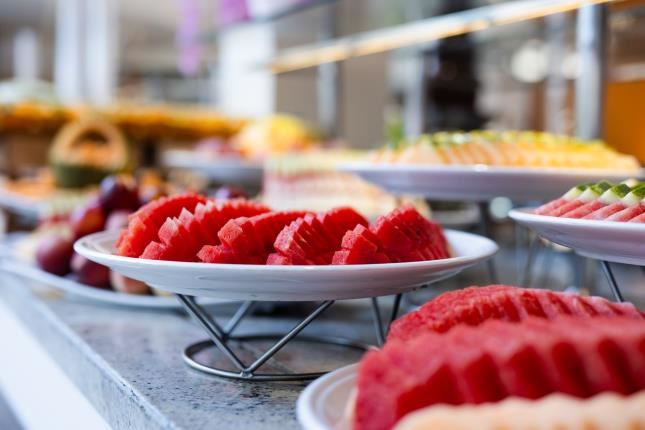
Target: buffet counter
{"points": [[126, 364]]}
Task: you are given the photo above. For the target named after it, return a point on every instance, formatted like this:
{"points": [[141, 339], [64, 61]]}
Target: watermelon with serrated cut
{"points": [[469, 305], [359, 246], [144, 224], [158, 251], [497, 360], [252, 238]]}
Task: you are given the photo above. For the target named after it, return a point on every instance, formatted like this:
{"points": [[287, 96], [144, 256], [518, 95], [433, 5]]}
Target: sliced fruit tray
{"points": [[602, 220], [240, 249]]}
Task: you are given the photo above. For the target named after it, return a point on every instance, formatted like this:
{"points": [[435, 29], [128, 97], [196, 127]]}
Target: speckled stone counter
{"points": [[128, 363]]}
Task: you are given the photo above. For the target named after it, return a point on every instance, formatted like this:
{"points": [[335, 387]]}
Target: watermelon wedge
{"points": [[144, 224], [474, 305], [500, 359], [252, 238]]}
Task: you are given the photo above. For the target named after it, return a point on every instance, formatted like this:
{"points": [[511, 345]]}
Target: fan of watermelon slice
{"points": [[189, 227]]}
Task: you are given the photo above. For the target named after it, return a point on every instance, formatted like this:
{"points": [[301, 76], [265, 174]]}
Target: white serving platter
{"points": [[618, 242], [323, 404], [223, 170], [480, 182], [12, 264], [288, 283]]}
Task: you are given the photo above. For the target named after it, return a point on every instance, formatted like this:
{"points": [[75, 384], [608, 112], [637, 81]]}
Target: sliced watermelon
{"points": [[158, 251], [584, 210], [639, 218], [551, 206], [502, 302], [359, 246], [497, 360], [217, 254], [567, 207], [252, 238], [628, 213], [145, 223], [606, 211]]}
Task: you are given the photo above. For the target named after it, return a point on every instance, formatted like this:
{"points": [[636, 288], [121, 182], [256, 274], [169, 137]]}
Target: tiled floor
{"points": [[8, 420]]}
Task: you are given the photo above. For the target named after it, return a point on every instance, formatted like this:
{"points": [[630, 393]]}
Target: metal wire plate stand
{"points": [[525, 277], [220, 337]]}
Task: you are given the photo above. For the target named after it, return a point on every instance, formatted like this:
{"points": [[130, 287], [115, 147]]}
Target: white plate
{"points": [[27, 207], [11, 264], [288, 283], [479, 182], [323, 404], [96, 294], [619, 242], [223, 170]]}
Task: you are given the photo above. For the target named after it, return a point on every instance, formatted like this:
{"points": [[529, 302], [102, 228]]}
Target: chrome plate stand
{"points": [[220, 338]]}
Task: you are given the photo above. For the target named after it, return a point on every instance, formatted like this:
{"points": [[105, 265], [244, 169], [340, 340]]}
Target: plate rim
{"points": [[95, 295], [483, 169], [523, 214], [305, 412], [88, 252]]}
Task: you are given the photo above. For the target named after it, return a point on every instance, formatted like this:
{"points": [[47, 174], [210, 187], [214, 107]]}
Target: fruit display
{"points": [[179, 122], [624, 202], [189, 227], [30, 107], [506, 149], [489, 344], [276, 134], [117, 198], [311, 181], [86, 151]]}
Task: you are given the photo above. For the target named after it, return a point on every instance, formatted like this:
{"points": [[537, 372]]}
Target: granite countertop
{"points": [[128, 363]]}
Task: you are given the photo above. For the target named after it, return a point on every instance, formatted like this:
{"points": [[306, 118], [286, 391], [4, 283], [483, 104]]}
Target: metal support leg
{"points": [[525, 279], [215, 333], [378, 319], [236, 319], [612, 281], [483, 225], [378, 322], [221, 338], [395, 310]]}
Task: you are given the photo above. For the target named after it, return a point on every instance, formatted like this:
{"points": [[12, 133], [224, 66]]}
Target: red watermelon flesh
{"points": [[639, 218], [314, 239], [157, 251], [569, 206], [405, 235], [606, 211], [550, 206], [276, 259], [145, 223], [359, 246], [254, 236], [584, 210], [217, 254], [176, 237], [627, 214], [339, 220], [496, 360], [288, 242], [502, 302]]}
